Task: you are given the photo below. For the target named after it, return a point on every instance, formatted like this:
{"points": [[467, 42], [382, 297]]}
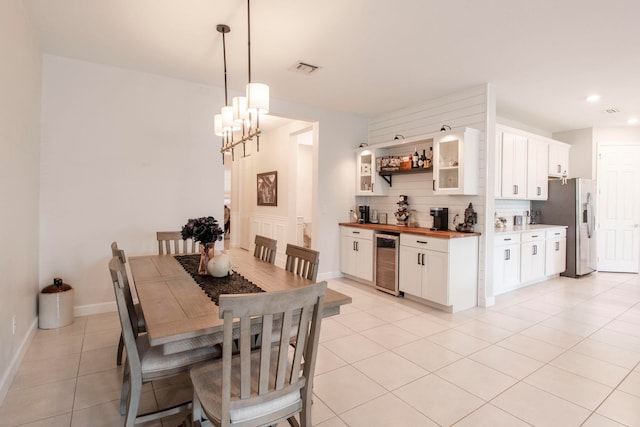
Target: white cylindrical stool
{"points": [[55, 305]]}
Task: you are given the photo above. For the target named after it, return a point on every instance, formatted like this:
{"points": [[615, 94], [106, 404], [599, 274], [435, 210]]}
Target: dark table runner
{"points": [[215, 286]]}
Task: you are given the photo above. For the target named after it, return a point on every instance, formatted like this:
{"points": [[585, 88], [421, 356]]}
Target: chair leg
{"points": [[120, 348], [133, 403], [196, 411], [124, 395]]}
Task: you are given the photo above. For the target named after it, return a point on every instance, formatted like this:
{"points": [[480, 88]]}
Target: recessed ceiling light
{"points": [[593, 98], [632, 120]]}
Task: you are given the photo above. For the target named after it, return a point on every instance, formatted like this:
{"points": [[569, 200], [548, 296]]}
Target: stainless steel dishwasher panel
{"points": [[386, 263]]}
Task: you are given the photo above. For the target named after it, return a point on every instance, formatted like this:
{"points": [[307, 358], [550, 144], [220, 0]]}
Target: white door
{"points": [[618, 208]]}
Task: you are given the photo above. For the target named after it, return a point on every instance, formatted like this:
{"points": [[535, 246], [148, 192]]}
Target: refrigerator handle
{"points": [[588, 213]]}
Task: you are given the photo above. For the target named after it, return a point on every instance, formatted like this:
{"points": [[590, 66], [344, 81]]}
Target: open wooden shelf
{"points": [[388, 175]]}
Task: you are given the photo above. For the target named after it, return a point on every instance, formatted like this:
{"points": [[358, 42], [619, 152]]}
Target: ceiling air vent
{"points": [[612, 110], [304, 68]]}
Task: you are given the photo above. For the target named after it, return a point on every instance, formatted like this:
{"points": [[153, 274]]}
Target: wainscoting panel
{"points": [[273, 227]]}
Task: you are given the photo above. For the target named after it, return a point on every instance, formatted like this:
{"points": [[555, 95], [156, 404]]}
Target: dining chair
{"points": [[269, 384], [180, 246], [146, 363], [265, 249], [131, 305], [302, 261]]}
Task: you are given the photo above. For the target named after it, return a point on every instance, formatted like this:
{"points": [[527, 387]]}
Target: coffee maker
{"points": [[364, 214], [440, 219]]}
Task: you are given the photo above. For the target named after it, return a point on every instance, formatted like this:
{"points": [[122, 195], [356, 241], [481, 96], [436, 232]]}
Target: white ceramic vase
{"points": [[219, 265]]}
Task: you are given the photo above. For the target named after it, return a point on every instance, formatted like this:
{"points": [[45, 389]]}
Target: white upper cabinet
{"points": [[368, 183], [525, 162], [537, 167], [558, 159], [513, 166], [456, 164]]}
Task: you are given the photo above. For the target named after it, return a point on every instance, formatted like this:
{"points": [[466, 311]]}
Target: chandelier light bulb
{"points": [[227, 119], [240, 113], [217, 120], [258, 98]]}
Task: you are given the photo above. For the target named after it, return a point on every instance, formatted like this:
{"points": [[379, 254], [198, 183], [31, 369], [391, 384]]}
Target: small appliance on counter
{"points": [[470, 219], [374, 217], [364, 214], [440, 219], [402, 214]]}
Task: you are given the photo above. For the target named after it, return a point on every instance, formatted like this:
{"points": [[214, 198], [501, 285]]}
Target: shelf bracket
{"points": [[388, 178]]}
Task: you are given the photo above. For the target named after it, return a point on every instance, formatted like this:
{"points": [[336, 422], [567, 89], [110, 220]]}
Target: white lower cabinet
{"points": [[532, 256], [521, 258], [430, 269], [556, 251], [506, 262], [356, 252]]}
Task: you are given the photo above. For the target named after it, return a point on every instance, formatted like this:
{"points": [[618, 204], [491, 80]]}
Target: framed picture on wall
{"points": [[268, 188]]}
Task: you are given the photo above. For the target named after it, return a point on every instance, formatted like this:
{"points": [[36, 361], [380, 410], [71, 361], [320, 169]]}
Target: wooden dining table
{"points": [[180, 316]]}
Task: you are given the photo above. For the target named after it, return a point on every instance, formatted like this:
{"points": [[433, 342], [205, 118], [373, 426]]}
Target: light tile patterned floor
{"points": [[565, 352]]}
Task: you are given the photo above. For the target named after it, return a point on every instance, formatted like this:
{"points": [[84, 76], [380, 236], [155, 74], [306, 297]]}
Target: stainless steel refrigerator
{"points": [[571, 202]]}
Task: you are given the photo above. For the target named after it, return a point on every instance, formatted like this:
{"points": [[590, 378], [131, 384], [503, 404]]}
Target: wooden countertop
{"points": [[390, 228]]}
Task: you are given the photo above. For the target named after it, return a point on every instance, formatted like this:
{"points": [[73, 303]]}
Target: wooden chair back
{"points": [[265, 249], [128, 320], [170, 242], [279, 374], [126, 288], [302, 261]]}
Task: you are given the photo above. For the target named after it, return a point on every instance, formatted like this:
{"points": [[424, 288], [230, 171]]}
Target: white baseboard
{"points": [[329, 275], [88, 310], [10, 373], [487, 301]]}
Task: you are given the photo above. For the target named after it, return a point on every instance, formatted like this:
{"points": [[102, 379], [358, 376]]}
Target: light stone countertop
{"points": [[528, 227]]}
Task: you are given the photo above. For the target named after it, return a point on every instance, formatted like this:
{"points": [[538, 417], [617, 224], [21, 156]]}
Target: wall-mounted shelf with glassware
{"points": [[388, 175]]}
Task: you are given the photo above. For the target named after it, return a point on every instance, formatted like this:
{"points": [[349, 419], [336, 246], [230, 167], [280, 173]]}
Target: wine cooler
{"points": [[386, 263]]}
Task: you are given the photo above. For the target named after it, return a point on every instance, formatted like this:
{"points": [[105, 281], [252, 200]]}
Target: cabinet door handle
{"points": [[535, 249], [357, 246], [507, 254], [422, 259], [434, 185], [419, 259], [421, 241], [539, 191], [355, 232], [515, 189], [559, 169], [508, 239], [534, 236], [557, 246]]}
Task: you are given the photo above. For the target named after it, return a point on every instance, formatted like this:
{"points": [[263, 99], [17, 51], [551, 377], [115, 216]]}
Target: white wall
{"points": [[19, 170], [470, 108], [337, 135], [124, 154], [582, 159], [304, 178]]}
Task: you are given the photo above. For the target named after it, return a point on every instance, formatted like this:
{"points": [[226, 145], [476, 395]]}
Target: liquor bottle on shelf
{"points": [[415, 158], [430, 157], [422, 162]]}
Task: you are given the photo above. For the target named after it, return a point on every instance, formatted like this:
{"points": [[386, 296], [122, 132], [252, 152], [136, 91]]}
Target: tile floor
{"points": [[565, 352]]}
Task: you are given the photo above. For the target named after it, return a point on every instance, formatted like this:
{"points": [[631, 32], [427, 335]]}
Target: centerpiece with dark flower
{"points": [[206, 231]]}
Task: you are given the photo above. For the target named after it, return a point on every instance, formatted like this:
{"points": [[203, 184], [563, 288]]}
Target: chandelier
{"points": [[239, 122]]}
